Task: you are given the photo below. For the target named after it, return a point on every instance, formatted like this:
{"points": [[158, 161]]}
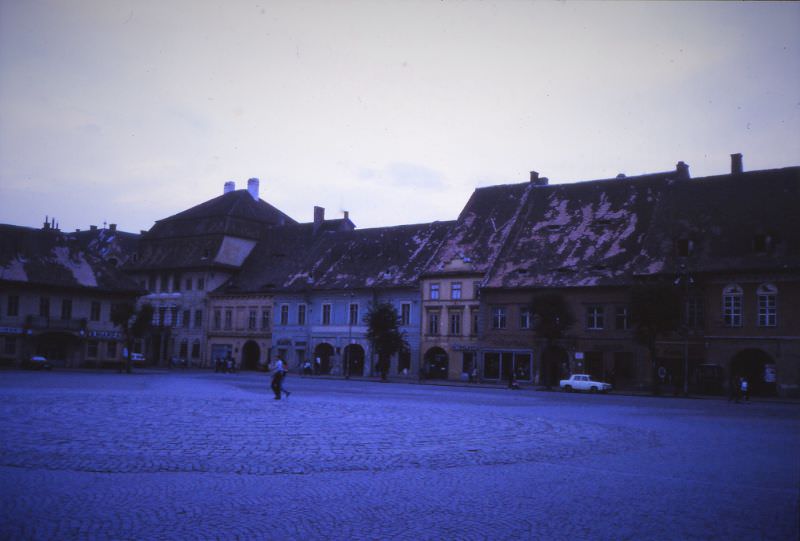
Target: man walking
{"points": [[277, 379]]}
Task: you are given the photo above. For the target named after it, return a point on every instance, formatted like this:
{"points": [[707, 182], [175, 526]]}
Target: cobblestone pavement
{"points": [[197, 455]]}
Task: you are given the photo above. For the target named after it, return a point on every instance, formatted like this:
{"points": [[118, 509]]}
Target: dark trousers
{"points": [[277, 378]]}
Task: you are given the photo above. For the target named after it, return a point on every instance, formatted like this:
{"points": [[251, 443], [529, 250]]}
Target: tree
{"points": [[384, 334], [552, 318], [133, 323], [655, 311]]}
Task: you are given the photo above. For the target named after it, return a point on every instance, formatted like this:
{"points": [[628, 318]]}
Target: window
{"points": [[176, 282], [434, 291], [251, 320], [44, 306], [284, 314], [201, 284], [265, 316], [66, 309], [10, 346], [95, 311], [198, 319], [165, 282], [187, 318], [162, 315], [405, 314], [326, 314], [353, 314], [475, 319], [188, 284], [694, 313], [13, 305], [91, 349], [111, 350], [433, 323], [196, 349], [732, 306], [455, 290], [455, 323], [476, 290], [595, 319], [767, 305], [228, 320], [684, 247], [498, 317], [183, 352], [621, 318], [217, 319], [525, 318], [301, 314]]}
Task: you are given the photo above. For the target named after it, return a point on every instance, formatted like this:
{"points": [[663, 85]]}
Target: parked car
{"points": [[37, 362], [583, 382]]}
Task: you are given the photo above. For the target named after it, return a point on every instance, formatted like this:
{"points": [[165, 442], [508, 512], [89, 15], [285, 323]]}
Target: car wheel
{"points": [[593, 389], [568, 388]]}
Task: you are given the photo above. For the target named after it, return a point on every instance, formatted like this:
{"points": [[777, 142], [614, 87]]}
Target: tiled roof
{"points": [[293, 258], [607, 232], [476, 238], [49, 257], [235, 213]]}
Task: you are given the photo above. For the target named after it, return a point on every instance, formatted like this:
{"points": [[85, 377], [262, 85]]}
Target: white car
{"points": [[583, 382]]}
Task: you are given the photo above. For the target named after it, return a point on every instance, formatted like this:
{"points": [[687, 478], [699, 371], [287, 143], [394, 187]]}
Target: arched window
{"points": [[767, 305], [732, 305]]}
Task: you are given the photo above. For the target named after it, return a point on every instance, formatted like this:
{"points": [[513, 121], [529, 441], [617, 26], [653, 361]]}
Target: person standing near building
{"points": [[743, 390], [278, 373]]}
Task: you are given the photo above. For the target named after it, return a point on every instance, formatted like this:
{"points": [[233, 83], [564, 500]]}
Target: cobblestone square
{"points": [[197, 455]]}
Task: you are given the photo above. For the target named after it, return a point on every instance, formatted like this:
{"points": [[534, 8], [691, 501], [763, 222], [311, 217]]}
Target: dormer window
{"points": [[684, 247]]}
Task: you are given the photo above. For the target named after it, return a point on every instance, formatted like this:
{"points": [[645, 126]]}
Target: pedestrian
{"points": [[743, 389], [277, 378], [307, 368], [473, 376]]}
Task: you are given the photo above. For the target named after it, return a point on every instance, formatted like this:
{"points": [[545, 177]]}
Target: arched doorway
{"points": [[436, 363], [250, 355], [353, 360], [555, 365], [323, 353], [757, 367]]}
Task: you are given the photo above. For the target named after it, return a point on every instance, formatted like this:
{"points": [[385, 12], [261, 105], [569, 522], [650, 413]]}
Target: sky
{"points": [[128, 112]]}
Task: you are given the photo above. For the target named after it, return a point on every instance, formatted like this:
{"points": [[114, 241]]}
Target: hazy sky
{"points": [[128, 112]]}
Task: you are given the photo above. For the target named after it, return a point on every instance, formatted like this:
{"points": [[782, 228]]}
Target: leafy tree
{"points": [[133, 323], [552, 318], [384, 334], [655, 311]]}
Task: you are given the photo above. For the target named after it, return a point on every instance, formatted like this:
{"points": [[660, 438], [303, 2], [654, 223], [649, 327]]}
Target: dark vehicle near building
{"points": [[37, 362]]}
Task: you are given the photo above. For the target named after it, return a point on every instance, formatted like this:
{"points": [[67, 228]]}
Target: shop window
{"points": [[111, 350], [10, 345]]}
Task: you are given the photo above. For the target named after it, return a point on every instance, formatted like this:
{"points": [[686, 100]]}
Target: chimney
{"points": [[736, 164], [538, 181], [319, 217], [346, 215], [112, 227], [229, 187], [252, 187], [682, 171]]}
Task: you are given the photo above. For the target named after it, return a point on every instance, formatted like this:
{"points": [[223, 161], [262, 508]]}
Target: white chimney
{"points": [[252, 187], [230, 186]]}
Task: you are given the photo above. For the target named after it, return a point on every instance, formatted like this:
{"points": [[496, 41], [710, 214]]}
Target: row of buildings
{"points": [[236, 277]]}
